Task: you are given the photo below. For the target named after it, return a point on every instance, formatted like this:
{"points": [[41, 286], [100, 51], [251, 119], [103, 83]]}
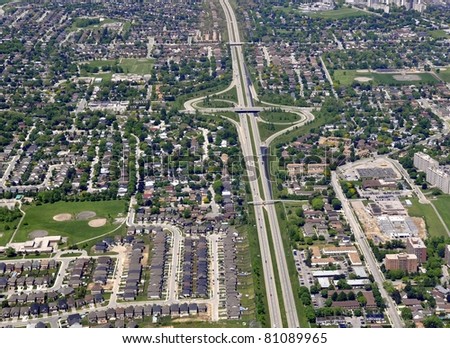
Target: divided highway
{"points": [[248, 127]]}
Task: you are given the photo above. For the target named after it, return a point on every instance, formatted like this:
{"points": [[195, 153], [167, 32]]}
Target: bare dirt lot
{"points": [[363, 79], [368, 222], [408, 77], [97, 222], [62, 217], [37, 234], [86, 215], [420, 223]]}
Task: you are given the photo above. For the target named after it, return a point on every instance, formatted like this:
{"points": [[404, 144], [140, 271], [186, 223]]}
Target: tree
{"points": [[342, 296], [317, 203], [433, 322], [336, 204], [397, 296], [10, 252], [406, 313]]}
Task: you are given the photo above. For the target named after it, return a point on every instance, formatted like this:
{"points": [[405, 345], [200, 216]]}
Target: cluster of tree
{"points": [[7, 215]]}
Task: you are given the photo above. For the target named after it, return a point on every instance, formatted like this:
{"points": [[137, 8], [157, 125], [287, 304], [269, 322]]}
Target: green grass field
{"points": [[347, 77], [215, 103], [40, 217], [438, 34], [442, 204], [434, 226], [444, 74], [129, 66], [136, 66], [341, 13], [279, 116], [7, 230], [267, 129]]}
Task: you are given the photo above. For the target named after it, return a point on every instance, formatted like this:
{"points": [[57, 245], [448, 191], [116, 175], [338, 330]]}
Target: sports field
{"points": [[341, 13], [347, 77], [129, 65], [75, 220]]}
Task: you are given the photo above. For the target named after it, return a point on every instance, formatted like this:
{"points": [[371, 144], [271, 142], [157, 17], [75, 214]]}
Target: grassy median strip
{"points": [[275, 271], [255, 160]]}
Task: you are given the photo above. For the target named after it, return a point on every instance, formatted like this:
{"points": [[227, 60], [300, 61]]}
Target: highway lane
{"points": [[371, 262]]}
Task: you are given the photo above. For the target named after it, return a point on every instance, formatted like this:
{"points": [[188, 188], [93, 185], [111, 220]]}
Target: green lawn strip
{"points": [[279, 116], [275, 271], [246, 282], [40, 217], [293, 274], [434, 226], [442, 204], [255, 160]]}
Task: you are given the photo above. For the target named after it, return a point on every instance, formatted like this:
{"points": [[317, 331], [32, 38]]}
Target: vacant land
{"points": [[434, 226], [40, 217], [347, 77], [341, 13], [279, 116]]}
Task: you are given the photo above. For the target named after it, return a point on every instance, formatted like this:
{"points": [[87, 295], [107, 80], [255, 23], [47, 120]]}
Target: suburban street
{"points": [[371, 263]]}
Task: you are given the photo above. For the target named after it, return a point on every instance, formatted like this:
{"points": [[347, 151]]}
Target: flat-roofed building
{"points": [[416, 246], [402, 261]]}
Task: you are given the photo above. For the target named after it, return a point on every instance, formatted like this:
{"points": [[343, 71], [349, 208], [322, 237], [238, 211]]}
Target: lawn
{"points": [[442, 204], [434, 226], [347, 77], [40, 217], [136, 66], [341, 13], [438, 34], [7, 230], [279, 116], [267, 129], [444, 74], [129, 65], [215, 103]]}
